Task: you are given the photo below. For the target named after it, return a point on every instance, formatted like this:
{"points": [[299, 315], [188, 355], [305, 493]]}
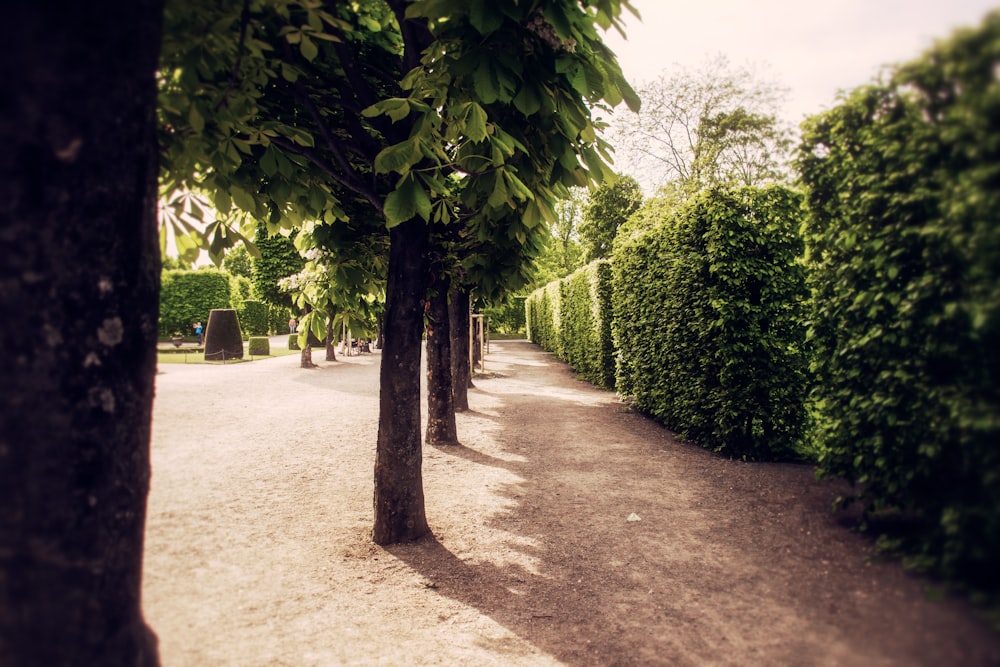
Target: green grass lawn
{"points": [[197, 356]]}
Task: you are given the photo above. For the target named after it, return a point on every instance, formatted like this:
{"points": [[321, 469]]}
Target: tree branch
{"points": [[352, 184]]}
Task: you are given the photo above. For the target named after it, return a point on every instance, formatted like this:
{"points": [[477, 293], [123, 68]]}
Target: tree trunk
{"points": [[331, 352], [306, 357], [380, 331], [461, 372], [441, 427], [79, 266], [399, 492]]}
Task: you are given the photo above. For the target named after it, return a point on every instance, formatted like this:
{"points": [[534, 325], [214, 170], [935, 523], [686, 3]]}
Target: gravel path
{"points": [[257, 549]]}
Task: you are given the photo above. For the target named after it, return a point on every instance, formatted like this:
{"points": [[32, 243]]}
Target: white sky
{"points": [[813, 48]]}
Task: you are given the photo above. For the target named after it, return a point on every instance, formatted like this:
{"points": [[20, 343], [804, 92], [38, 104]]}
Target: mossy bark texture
{"points": [[79, 286]]}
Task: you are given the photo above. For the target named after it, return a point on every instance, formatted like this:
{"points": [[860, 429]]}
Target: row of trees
{"points": [[893, 245], [453, 124]]}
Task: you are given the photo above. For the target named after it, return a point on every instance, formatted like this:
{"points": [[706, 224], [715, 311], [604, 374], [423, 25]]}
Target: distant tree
{"points": [[711, 126], [175, 264], [610, 205], [562, 253], [238, 262], [278, 259]]}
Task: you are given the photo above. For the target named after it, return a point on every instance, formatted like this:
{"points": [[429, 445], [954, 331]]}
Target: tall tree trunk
{"points": [[331, 352], [399, 492], [441, 427], [461, 371], [79, 269]]}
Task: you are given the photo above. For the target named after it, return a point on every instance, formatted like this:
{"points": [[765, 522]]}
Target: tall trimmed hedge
{"points": [[904, 248], [585, 323], [188, 296], [542, 314], [254, 318], [709, 322]]}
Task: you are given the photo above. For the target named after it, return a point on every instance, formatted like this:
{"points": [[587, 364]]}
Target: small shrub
{"points": [[293, 342], [259, 346]]}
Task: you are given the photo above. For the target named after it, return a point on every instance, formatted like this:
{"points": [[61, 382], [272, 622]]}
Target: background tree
{"points": [[80, 266], [607, 209], [238, 262], [716, 125], [562, 252], [279, 258]]}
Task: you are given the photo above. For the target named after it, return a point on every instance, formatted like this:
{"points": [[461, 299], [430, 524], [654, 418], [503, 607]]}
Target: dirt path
{"points": [[257, 549]]}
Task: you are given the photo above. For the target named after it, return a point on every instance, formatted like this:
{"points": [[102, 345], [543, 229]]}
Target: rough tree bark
{"points": [[79, 286], [461, 371], [441, 426], [399, 493]]}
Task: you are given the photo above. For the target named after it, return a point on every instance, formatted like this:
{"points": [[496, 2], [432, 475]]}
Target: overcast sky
{"points": [[813, 48]]}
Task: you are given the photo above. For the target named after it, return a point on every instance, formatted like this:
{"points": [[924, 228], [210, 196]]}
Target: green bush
{"points": [[585, 323], [254, 318], [188, 296], [293, 342], [259, 346], [708, 322], [904, 256]]}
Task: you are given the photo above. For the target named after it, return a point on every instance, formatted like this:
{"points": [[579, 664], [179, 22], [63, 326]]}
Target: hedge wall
{"points": [[188, 296], [542, 315], [904, 248], [708, 321], [585, 323], [254, 318]]}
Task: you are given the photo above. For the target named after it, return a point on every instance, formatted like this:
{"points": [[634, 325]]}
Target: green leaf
{"points": [[399, 206], [397, 108], [485, 17], [196, 119], [222, 202], [308, 48], [398, 158], [423, 201], [527, 100], [485, 82], [406, 201], [268, 163], [475, 123], [243, 199]]}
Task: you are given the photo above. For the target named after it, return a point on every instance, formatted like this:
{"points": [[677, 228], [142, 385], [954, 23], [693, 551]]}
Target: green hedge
{"points": [[585, 323], [708, 321], [542, 316], [188, 296], [254, 318], [904, 246], [277, 319]]}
